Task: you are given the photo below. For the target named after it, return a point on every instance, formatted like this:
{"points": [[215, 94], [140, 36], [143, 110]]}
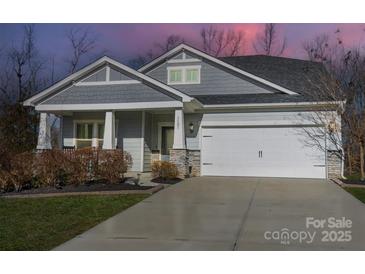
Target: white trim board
{"points": [[112, 106], [272, 105], [105, 83], [180, 61], [183, 47], [143, 124], [183, 74]]}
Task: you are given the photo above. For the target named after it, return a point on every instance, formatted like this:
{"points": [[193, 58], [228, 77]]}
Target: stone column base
{"points": [[194, 163], [179, 157], [334, 164]]}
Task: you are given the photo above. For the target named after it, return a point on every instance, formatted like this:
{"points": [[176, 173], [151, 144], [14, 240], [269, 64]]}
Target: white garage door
{"points": [[263, 152]]}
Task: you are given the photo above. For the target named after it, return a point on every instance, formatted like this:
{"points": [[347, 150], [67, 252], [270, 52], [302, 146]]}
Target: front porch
{"points": [[148, 135]]}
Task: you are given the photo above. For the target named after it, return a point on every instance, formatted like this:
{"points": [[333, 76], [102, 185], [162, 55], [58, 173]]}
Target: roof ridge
{"points": [[270, 57]]}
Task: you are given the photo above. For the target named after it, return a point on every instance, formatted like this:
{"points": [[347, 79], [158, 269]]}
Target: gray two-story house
{"points": [[234, 116]]}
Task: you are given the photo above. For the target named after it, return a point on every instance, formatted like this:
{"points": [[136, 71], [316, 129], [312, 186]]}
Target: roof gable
{"points": [[192, 51], [96, 66]]}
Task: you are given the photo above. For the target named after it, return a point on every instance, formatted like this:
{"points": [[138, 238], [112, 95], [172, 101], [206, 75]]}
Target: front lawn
{"points": [[359, 193], [44, 223]]}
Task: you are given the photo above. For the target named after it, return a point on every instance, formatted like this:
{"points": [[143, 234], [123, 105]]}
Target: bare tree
{"points": [[160, 48], [170, 42], [269, 43], [221, 42], [82, 42], [20, 77], [26, 65], [343, 125]]}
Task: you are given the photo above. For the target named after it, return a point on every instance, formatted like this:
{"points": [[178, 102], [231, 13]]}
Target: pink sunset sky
{"points": [[126, 41]]}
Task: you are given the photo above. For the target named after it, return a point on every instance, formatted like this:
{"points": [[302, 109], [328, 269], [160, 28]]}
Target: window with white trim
{"points": [[183, 75], [175, 75], [85, 134], [192, 75]]}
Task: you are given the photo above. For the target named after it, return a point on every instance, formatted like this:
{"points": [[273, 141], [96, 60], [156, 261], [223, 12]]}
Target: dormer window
{"points": [[179, 75], [175, 76]]}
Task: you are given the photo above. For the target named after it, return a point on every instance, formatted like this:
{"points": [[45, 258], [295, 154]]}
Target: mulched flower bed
{"points": [[353, 182], [160, 180], [88, 187]]}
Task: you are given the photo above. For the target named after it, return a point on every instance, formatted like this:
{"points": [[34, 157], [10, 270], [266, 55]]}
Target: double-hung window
{"points": [[183, 75], [89, 134], [192, 75], [175, 76], [84, 134]]}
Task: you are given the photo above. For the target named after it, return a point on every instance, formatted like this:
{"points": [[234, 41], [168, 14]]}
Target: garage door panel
{"points": [[235, 152]]}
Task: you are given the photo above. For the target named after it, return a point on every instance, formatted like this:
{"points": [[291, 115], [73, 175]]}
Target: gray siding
{"points": [[177, 57], [108, 94], [99, 76], [193, 138], [147, 142], [117, 75], [130, 134], [214, 80]]}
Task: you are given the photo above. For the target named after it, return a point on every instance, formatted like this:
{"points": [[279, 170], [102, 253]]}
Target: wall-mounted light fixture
{"points": [[191, 127]]}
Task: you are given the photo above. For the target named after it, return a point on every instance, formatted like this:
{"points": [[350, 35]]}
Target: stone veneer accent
{"points": [[179, 157], [194, 162], [189, 161], [334, 164]]}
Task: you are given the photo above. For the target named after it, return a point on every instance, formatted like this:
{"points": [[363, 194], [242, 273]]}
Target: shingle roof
{"points": [[251, 98], [300, 76]]}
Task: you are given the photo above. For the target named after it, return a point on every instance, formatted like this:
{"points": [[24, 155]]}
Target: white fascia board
{"points": [[258, 123], [105, 59], [108, 83], [29, 101], [272, 105], [217, 61], [111, 106]]}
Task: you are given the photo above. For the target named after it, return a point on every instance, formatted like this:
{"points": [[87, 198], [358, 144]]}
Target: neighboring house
{"points": [[234, 116]]}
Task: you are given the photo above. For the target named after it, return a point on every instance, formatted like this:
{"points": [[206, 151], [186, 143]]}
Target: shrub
{"points": [[164, 170], [22, 170], [82, 164], [112, 164], [51, 167], [6, 181]]}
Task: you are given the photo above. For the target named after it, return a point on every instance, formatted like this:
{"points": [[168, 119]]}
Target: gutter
{"points": [[268, 105]]}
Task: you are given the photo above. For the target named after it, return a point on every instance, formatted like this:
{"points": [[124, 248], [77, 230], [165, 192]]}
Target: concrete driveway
{"points": [[233, 213]]}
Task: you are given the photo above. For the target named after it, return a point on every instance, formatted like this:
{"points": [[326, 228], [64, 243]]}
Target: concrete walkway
{"points": [[231, 213]]}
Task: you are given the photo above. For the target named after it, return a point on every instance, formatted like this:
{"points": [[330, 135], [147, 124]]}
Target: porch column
{"points": [[178, 153], [179, 130], [44, 133], [94, 140], [109, 130]]}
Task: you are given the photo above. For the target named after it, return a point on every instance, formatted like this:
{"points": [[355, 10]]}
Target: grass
{"points": [[359, 193], [44, 223]]}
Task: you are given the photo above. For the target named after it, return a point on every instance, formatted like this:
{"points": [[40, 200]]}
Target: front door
{"points": [[167, 141]]}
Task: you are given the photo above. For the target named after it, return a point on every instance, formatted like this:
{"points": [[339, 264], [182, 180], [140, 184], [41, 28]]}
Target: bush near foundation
{"points": [[112, 165], [51, 168], [17, 173], [56, 168], [164, 170]]}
